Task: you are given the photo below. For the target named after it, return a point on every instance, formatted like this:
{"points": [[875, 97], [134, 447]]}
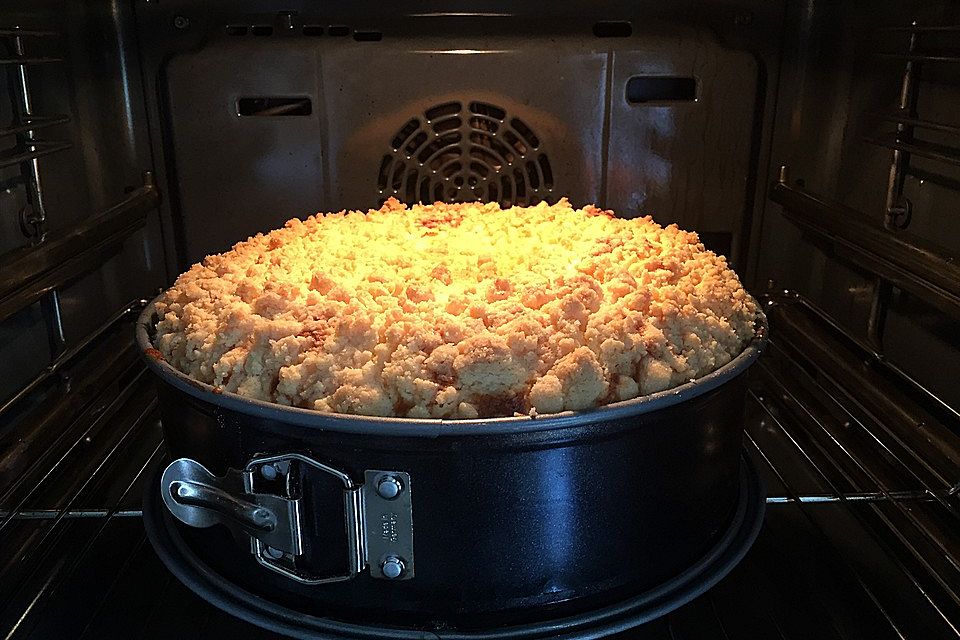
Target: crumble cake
{"points": [[456, 311]]}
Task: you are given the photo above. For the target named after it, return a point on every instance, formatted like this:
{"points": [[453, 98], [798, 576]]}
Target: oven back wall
{"points": [[660, 121]]}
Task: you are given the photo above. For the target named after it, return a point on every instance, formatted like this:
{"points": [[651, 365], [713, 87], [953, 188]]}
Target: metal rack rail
{"points": [[903, 142], [897, 257], [930, 150], [33, 123], [26, 121], [914, 122], [52, 260], [65, 358], [27, 153], [856, 449], [909, 139], [29, 273]]}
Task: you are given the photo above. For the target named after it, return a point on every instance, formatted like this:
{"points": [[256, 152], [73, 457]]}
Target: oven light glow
{"points": [[461, 14], [461, 52]]}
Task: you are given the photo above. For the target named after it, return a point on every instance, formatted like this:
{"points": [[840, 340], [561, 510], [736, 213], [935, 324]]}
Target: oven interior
{"points": [[813, 143]]}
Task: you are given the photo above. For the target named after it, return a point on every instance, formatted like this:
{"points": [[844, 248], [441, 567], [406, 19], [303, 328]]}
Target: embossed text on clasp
{"points": [[388, 527]]}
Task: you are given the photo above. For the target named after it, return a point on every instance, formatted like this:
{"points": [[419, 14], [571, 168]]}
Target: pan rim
{"points": [[435, 427]]}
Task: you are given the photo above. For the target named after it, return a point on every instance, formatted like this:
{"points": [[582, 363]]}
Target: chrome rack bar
{"points": [[919, 57], [902, 259], [884, 526], [919, 123], [17, 31], [836, 454], [84, 543], [53, 514], [29, 60], [869, 496], [936, 453], [790, 297], [933, 177], [28, 273], [933, 151], [896, 206], [36, 149], [33, 123], [916, 28], [855, 570], [115, 446], [131, 308], [849, 460], [50, 304]]}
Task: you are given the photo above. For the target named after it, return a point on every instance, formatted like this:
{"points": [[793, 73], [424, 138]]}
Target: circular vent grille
{"points": [[455, 155]]}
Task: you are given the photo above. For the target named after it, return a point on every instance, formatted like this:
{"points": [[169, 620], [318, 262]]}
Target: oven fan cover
{"points": [[456, 152]]}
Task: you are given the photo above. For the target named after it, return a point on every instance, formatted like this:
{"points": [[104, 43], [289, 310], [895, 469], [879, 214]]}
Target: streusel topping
{"points": [[456, 311]]}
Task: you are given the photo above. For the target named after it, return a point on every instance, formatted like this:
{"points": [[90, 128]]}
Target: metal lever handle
{"points": [[200, 499], [246, 514]]}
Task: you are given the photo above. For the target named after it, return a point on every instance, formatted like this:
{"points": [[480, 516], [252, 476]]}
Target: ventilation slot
{"points": [[620, 29], [384, 171], [404, 133], [415, 142], [487, 158], [507, 199], [446, 124], [338, 30], [641, 89], [545, 171], [443, 110], [261, 30], [452, 172], [397, 182], [440, 150], [411, 185], [520, 186], [455, 155], [367, 36], [514, 142], [274, 106], [484, 124], [484, 109], [312, 30], [236, 30], [482, 170], [533, 175], [524, 131]]}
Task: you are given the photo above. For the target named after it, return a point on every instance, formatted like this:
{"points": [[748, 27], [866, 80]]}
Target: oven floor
{"points": [[859, 540]]}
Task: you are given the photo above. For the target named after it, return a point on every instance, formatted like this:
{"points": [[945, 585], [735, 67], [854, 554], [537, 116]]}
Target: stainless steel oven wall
{"points": [[64, 262], [843, 86], [270, 111]]}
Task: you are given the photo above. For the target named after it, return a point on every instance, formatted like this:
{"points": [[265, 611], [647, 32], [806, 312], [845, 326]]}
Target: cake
{"points": [[456, 311]]}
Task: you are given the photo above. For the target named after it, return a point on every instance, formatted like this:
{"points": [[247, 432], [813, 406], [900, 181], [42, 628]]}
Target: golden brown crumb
{"points": [[460, 311]]}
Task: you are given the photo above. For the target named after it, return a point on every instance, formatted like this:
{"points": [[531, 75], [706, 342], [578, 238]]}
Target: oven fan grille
{"points": [[454, 155]]}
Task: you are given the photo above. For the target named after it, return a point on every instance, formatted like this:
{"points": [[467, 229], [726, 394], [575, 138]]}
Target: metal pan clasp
{"points": [[378, 514]]}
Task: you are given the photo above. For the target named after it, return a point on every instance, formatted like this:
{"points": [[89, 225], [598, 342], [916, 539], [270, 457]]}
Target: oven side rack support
{"points": [[900, 259]]}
